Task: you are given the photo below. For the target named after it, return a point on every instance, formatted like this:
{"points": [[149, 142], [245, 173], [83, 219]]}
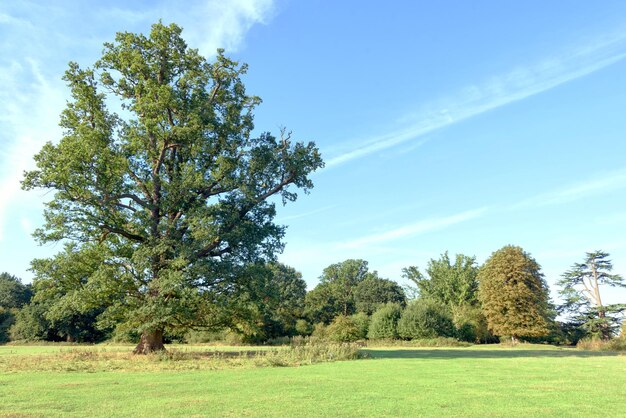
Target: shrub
{"points": [[303, 327], [384, 322], [362, 321], [597, 344], [471, 325], [343, 329], [319, 331], [425, 319]]}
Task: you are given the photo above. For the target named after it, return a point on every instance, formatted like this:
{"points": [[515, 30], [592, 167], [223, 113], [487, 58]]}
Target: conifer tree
{"points": [[580, 290]]}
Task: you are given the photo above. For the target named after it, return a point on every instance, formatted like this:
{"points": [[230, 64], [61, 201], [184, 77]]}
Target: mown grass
{"points": [[522, 381]]}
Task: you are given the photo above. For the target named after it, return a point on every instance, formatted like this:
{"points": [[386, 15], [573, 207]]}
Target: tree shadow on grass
{"points": [[483, 353]]}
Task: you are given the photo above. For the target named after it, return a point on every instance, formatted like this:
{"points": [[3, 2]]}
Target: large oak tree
{"points": [[159, 171]]}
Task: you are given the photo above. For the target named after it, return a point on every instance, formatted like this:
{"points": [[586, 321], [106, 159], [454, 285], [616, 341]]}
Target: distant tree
{"points": [[514, 294], [580, 291], [291, 292], [342, 279], [373, 291], [174, 188], [453, 285], [425, 318], [13, 294], [336, 293], [320, 304], [277, 293], [384, 322], [31, 324], [7, 319]]}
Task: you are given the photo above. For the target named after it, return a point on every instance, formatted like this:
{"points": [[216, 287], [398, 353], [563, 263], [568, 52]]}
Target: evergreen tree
{"points": [[580, 290]]}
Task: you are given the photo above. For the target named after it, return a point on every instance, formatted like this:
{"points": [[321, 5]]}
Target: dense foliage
{"points": [[424, 318], [453, 285], [514, 294], [384, 322], [347, 288], [173, 190]]}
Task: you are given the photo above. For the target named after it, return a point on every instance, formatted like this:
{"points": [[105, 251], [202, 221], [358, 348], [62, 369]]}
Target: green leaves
{"points": [[158, 169]]}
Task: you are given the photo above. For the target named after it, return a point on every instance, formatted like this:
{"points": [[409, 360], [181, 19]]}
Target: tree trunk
{"points": [[604, 326], [150, 342]]}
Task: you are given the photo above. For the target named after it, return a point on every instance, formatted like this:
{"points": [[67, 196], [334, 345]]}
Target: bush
{"points": [[303, 327], [597, 344], [425, 319], [471, 325], [319, 331], [343, 329], [384, 322], [362, 321]]}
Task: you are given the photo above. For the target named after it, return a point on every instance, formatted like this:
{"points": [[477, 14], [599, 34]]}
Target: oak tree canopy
{"points": [[159, 172]]}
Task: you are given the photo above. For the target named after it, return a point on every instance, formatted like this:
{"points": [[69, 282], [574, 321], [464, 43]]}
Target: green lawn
{"points": [[475, 381]]}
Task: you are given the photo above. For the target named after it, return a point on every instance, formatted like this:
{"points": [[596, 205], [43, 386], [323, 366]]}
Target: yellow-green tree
{"points": [[514, 294]]}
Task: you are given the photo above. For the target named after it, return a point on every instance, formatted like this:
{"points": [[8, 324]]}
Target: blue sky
{"points": [[459, 126]]}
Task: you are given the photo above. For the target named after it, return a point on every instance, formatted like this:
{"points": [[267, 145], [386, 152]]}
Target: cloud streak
{"points": [[417, 228], [496, 92], [34, 53], [207, 24], [612, 181]]}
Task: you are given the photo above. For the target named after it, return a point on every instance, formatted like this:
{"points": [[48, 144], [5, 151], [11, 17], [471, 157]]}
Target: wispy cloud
{"points": [[519, 84], [34, 53], [305, 214], [29, 114], [207, 24], [609, 182], [417, 228]]}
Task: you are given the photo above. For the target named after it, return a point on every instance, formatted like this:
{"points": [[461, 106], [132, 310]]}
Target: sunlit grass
{"points": [[521, 381]]}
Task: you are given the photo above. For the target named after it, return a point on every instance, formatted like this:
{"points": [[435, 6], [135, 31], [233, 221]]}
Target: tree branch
{"points": [[122, 232]]}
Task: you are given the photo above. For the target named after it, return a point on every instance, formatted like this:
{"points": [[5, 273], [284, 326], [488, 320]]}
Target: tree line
{"points": [[506, 298]]}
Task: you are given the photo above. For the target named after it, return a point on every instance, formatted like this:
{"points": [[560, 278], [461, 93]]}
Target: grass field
{"points": [[524, 381]]}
